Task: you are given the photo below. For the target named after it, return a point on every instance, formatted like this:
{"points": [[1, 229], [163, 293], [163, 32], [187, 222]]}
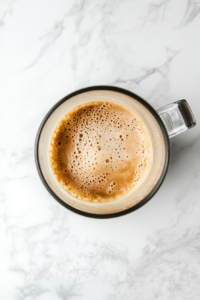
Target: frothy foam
{"points": [[99, 151]]}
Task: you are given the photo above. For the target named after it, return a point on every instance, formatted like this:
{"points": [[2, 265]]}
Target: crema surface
{"points": [[100, 151]]}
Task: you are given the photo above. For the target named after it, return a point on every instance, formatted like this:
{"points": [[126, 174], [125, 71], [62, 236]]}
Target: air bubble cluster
{"points": [[99, 151]]}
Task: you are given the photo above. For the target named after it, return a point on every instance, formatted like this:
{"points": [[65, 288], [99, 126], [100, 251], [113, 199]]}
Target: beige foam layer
{"points": [[100, 151]]}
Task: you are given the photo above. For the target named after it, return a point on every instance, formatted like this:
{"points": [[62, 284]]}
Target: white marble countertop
{"points": [[47, 50]]}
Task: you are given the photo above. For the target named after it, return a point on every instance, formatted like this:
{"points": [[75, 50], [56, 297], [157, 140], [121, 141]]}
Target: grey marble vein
{"points": [[191, 12]]}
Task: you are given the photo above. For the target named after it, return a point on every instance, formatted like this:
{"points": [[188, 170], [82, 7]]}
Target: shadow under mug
{"points": [[162, 124]]}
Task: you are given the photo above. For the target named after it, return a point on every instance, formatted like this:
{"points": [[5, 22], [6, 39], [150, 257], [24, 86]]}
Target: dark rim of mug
{"points": [[167, 149]]}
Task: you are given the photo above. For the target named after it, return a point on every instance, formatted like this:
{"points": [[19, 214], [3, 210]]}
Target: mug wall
{"points": [[149, 183]]}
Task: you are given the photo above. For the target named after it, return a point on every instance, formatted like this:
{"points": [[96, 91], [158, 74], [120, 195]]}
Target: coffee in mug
{"points": [[104, 151]]}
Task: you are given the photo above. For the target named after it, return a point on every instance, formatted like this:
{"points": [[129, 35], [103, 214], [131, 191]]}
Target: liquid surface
{"points": [[100, 151]]}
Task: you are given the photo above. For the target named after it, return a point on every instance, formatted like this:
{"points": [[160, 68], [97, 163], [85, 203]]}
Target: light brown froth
{"points": [[99, 151]]}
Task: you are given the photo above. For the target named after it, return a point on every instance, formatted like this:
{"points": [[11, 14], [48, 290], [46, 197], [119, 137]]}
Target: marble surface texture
{"points": [[47, 50]]}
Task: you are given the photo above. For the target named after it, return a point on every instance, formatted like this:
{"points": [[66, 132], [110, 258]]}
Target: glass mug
{"points": [[162, 124]]}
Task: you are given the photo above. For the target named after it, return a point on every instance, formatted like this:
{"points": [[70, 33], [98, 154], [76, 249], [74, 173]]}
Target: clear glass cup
{"points": [[162, 124]]}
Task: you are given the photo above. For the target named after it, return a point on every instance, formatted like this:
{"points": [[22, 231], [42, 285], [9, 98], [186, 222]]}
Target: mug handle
{"points": [[177, 117]]}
